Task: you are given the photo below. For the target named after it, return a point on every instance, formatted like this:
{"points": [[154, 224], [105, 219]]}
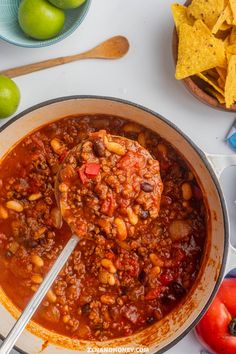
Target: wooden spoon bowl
{"points": [[196, 86]]}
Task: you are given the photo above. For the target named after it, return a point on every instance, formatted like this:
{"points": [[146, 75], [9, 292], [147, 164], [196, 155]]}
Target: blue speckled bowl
{"points": [[11, 32]]}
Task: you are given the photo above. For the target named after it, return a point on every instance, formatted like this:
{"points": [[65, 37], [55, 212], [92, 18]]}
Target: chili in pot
{"points": [[111, 286]]}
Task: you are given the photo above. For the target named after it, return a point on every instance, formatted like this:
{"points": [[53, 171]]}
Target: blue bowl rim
{"points": [[47, 43]]}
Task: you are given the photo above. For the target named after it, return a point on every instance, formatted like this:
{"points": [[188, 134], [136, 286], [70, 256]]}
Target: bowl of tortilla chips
{"points": [[204, 49]]}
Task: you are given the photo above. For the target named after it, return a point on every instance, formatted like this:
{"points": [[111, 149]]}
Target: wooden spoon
{"points": [[113, 48]]}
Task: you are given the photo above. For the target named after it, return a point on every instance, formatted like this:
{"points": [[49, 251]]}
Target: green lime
{"points": [[9, 97], [40, 19], [67, 4]]}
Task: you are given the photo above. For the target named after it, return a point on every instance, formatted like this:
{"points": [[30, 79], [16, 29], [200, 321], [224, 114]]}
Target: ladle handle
{"points": [[32, 306]]}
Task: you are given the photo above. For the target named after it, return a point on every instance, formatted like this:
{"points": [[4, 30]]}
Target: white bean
{"points": [[3, 213], [15, 205]]}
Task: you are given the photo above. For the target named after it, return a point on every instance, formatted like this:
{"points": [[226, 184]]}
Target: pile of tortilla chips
{"points": [[207, 45]]}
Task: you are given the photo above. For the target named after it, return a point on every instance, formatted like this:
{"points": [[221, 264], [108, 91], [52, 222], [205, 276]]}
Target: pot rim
{"points": [[203, 157]]}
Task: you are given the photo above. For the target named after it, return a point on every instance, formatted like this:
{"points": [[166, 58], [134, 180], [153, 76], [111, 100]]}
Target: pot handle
{"points": [[231, 261], [219, 163]]}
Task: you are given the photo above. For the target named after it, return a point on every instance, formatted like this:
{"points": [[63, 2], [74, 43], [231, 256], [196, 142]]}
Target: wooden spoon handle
{"points": [[45, 64], [113, 48]]}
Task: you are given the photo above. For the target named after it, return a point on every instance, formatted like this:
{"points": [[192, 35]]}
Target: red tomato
{"points": [[88, 170], [166, 278], [217, 329], [92, 169]]}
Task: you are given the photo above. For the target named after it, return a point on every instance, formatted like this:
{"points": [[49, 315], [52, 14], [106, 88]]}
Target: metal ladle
{"points": [[39, 295]]}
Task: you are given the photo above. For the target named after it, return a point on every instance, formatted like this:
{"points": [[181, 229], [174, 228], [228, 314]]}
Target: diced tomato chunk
{"points": [[92, 169], [88, 170], [166, 278]]}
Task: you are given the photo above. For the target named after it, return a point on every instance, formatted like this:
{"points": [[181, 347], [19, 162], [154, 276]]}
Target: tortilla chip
{"points": [[207, 11], [233, 36], [180, 16], [211, 82], [212, 73], [226, 15], [231, 49], [233, 9], [227, 41], [198, 50], [230, 85], [222, 72], [225, 27], [221, 83], [216, 94]]}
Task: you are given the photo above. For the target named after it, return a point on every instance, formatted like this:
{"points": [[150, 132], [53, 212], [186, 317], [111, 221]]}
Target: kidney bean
{"points": [[99, 148], [146, 187]]}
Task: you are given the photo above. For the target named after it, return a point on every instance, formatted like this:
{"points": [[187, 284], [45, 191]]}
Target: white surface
{"points": [[145, 76]]}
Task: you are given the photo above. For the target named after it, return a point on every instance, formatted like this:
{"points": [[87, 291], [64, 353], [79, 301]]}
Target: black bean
{"points": [[99, 148], [150, 319], [142, 277], [124, 290], [146, 187], [85, 308], [8, 254], [144, 214], [177, 289], [167, 299]]}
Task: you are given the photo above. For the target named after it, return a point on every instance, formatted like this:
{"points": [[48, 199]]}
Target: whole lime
{"points": [[67, 4], [39, 19], [9, 97]]}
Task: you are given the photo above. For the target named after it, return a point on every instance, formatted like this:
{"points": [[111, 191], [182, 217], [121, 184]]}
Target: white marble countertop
{"points": [[145, 76]]}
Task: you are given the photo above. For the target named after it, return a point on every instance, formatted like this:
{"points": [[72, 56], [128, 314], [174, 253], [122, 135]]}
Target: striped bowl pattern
{"points": [[11, 32]]}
